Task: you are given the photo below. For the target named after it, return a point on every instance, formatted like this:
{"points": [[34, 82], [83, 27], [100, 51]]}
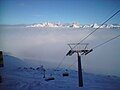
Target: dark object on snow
{"points": [[49, 78], [65, 74], [1, 59], [0, 79], [19, 68], [37, 68], [25, 68], [33, 69]]}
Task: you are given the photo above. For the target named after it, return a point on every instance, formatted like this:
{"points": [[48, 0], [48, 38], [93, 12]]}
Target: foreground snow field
{"points": [[18, 76]]}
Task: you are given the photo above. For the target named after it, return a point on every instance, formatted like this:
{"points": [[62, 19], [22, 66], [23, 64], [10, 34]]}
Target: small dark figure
{"points": [[19, 67], [31, 68], [44, 73], [37, 68], [25, 68]]}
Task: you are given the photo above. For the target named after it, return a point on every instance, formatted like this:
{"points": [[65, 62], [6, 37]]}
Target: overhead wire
{"points": [[71, 65], [60, 62], [95, 31], [106, 42], [97, 28], [88, 36]]}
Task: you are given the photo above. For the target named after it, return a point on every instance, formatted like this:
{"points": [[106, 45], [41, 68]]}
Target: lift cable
{"points": [[106, 42], [93, 32], [71, 65], [97, 28], [88, 36], [60, 62]]}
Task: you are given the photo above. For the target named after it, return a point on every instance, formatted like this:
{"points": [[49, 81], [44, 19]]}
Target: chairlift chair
{"points": [[49, 78], [65, 73]]}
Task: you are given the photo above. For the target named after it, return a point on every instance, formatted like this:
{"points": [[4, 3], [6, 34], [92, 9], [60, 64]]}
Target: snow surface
{"points": [[18, 76]]}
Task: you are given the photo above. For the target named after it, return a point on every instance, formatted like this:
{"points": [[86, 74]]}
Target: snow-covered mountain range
{"points": [[73, 25]]}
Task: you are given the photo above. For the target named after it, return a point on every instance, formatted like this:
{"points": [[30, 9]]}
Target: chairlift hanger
{"points": [[83, 51]]}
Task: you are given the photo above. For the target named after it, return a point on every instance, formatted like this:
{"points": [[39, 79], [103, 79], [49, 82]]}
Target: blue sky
{"points": [[34, 11]]}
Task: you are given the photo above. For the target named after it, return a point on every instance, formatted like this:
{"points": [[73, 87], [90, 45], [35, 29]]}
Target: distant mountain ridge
{"points": [[73, 25]]}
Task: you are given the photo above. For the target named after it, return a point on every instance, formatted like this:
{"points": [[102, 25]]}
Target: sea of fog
{"points": [[50, 45]]}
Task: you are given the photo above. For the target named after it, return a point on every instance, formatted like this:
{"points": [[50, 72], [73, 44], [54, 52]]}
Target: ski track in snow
{"points": [[21, 81], [33, 80]]}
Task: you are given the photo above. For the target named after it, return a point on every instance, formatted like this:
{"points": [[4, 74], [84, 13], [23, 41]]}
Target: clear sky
{"points": [[34, 11]]}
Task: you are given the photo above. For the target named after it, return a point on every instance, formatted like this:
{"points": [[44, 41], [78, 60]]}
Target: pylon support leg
{"points": [[80, 78]]}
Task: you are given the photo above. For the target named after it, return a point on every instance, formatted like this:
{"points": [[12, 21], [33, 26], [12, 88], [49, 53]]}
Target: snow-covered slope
{"points": [[11, 62], [32, 79]]}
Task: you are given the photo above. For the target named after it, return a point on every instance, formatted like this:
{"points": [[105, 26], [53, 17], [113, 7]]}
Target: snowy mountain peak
{"points": [[73, 25]]}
